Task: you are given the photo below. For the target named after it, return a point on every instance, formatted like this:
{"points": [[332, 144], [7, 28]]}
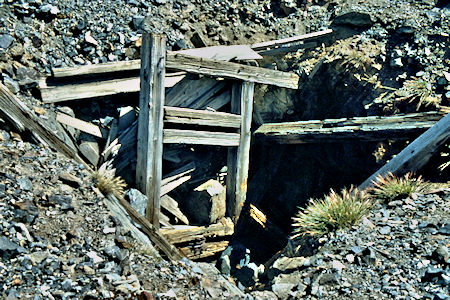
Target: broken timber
{"points": [[81, 125], [416, 154], [238, 159], [181, 234], [24, 119], [204, 250], [362, 128], [160, 241], [150, 123]]}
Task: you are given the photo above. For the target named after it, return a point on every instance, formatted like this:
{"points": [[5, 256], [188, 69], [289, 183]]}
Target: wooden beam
{"points": [[231, 70], [150, 123], [23, 119], [193, 93], [238, 161], [416, 154], [362, 128], [281, 42], [77, 91], [158, 239], [204, 250], [226, 53], [201, 117], [171, 205], [193, 137], [81, 125], [181, 234]]}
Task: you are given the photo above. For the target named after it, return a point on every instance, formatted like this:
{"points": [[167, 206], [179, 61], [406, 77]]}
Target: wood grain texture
{"points": [[280, 42], [193, 137], [181, 234], [24, 119], [204, 250], [238, 161], [160, 242], [150, 123], [231, 70], [416, 154], [363, 128], [201, 117], [81, 125]]}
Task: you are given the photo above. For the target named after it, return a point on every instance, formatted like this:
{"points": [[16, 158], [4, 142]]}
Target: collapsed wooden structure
{"points": [[184, 114], [188, 114]]}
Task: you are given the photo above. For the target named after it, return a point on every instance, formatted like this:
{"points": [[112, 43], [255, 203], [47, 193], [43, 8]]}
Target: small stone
{"points": [[338, 265], [6, 40], [95, 257], [441, 254], [51, 9], [88, 270], [11, 84], [385, 230], [112, 277], [350, 258], [89, 39], [66, 285], [25, 183], [70, 179], [138, 22]]}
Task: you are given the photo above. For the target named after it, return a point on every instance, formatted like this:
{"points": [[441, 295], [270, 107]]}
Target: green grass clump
{"points": [[391, 188], [334, 211]]}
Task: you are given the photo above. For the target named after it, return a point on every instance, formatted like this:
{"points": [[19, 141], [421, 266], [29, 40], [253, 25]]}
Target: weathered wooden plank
{"points": [[77, 91], [416, 154], [223, 69], [159, 240], [150, 123], [190, 91], [178, 136], [171, 205], [275, 43], [237, 192], [237, 52], [201, 117], [363, 128], [127, 115], [218, 101], [225, 53], [181, 234], [24, 119], [290, 47], [170, 186], [204, 250], [81, 125]]}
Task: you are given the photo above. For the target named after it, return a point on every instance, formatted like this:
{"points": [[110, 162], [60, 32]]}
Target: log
{"points": [[416, 154], [158, 239], [222, 69], [225, 53], [238, 160], [178, 136], [77, 91], [181, 234], [23, 119], [281, 42], [82, 125], [150, 123], [201, 117], [372, 128], [204, 250]]}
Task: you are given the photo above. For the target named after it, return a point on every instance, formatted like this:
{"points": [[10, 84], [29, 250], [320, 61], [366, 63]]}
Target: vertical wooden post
{"points": [[150, 122], [238, 159]]}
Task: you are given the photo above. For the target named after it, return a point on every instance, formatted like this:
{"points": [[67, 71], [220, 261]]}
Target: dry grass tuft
{"points": [[391, 188], [419, 90], [334, 211], [107, 182]]}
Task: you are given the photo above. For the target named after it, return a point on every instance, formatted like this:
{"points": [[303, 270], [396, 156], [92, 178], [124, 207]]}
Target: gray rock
{"points": [[50, 9], [66, 284], [137, 200], [441, 254], [286, 264], [138, 22], [11, 84], [25, 183], [10, 248], [5, 41]]}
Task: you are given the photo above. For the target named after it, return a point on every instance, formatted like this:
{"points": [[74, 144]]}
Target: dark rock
{"points": [[441, 254], [354, 18], [138, 22], [9, 249]]}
